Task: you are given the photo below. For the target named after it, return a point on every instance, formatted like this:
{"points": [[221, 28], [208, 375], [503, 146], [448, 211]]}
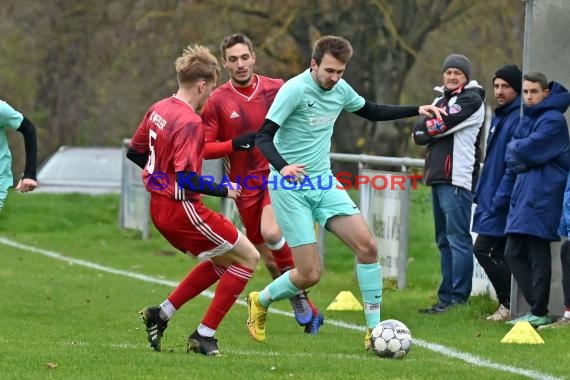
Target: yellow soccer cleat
{"points": [[257, 315]]}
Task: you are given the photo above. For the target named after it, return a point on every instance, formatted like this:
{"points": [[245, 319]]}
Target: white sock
{"points": [[567, 314], [206, 331], [277, 245], [167, 310]]}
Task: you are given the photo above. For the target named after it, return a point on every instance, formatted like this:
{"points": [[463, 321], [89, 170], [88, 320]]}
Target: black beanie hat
{"points": [[510, 74], [458, 61]]}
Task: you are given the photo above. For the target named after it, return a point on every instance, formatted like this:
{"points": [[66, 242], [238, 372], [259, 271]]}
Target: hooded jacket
{"points": [[490, 217], [453, 153], [539, 156], [564, 229]]}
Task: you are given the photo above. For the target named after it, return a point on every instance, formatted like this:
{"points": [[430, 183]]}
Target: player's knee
{"points": [[249, 256], [310, 277], [253, 259], [367, 250], [270, 233]]}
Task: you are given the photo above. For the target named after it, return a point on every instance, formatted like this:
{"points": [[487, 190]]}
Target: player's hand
{"points": [[26, 184], [431, 111], [294, 172], [244, 142], [234, 191]]}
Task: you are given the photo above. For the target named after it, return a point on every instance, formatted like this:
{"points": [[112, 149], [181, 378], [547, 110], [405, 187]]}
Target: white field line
{"points": [[445, 351]]}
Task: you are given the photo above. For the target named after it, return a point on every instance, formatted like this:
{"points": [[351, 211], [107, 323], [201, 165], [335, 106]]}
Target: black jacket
{"points": [[453, 152]]}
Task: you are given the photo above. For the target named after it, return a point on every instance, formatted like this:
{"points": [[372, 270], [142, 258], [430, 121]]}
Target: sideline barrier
{"points": [[387, 214]]}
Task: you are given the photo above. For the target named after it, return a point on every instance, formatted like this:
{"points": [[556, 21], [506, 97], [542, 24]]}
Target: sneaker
{"points": [[502, 314], [522, 318], [535, 321], [315, 324], [256, 316], [204, 345], [436, 308], [301, 308], [368, 340], [540, 321], [559, 323], [155, 325]]}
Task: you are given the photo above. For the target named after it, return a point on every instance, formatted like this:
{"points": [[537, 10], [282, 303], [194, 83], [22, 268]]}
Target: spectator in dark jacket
{"points": [[490, 216], [451, 169], [539, 156]]}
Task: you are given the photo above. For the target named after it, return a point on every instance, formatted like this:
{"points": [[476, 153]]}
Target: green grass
{"points": [[85, 321]]}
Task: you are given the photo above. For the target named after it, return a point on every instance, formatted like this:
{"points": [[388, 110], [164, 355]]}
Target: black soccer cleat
{"points": [[204, 345], [155, 325]]}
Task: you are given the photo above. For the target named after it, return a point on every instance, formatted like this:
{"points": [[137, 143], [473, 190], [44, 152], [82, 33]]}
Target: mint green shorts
{"points": [[3, 194], [297, 210]]}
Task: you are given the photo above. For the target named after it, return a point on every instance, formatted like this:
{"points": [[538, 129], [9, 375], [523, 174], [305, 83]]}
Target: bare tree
{"points": [[86, 71]]}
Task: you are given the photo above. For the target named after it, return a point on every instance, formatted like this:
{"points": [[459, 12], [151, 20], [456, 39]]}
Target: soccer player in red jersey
{"points": [[168, 145], [232, 116]]}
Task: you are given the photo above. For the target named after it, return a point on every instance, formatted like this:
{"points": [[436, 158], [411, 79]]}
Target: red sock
{"points": [[199, 279], [231, 284], [283, 258], [313, 307]]}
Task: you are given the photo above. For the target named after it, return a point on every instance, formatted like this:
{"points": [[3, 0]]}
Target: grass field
{"points": [[72, 284]]}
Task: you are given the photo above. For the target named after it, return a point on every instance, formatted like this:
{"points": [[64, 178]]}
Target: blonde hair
{"points": [[197, 63]]}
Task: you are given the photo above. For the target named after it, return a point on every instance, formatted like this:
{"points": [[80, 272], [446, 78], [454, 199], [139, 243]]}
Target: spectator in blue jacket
{"points": [[564, 231], [490, 217], [539, 156]]}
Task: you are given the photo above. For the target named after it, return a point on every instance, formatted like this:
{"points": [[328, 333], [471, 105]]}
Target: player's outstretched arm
{"points": [[264, 141], [219, 149], [382, 112], [28, 181]]}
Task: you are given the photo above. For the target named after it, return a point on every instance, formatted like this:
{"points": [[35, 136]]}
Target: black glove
{"points": [[420, 132], [244, 142]]}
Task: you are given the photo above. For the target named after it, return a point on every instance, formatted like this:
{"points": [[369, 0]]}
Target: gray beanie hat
{"points": [[458, 61]]}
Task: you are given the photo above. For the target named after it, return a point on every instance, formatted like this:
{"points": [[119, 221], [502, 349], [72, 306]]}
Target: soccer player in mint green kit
{"points": [[12, 119], [296, 140]]}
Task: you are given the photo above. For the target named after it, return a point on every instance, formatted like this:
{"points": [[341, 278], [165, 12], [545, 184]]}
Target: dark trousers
{"points": [[565, 261], [490, 253], [529, 259]]}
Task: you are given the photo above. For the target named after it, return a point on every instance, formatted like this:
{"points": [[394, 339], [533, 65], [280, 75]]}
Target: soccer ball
{"points": [[391, 339]]}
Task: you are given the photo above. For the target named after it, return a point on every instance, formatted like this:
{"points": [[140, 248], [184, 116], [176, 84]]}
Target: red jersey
{"points": [[172, 135], [228, 114]]}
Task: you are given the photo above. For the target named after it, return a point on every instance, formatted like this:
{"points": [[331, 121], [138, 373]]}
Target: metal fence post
{"points": [[404, 223]]}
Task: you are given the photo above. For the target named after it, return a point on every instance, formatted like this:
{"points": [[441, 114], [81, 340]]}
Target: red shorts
{"points": [[192, 228], [251, 218]]}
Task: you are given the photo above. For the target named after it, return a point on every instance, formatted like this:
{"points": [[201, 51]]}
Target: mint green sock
{"points": [[279, 289], [370, 281]]}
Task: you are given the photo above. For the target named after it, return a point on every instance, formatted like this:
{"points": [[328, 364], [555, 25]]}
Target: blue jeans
{"points": [[452, 216]]}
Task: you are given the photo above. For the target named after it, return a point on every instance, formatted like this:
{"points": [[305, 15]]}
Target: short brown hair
{"points": [[234, 39], [195, 63], [536, 77], [338, 47]]}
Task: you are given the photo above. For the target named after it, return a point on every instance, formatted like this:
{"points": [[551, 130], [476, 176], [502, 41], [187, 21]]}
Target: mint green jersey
{"points": [[9, 118], [306, 115]]}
